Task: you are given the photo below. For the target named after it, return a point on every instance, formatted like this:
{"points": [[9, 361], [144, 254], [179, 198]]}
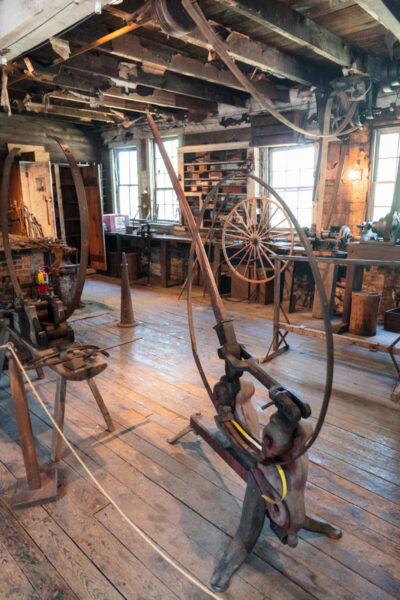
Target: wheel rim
{"points": [[255, 230]]}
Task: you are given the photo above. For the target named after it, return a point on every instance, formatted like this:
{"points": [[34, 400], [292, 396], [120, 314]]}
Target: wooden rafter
{"points": [[132, 75], [156, 56], [282, 19], [382, 14]]}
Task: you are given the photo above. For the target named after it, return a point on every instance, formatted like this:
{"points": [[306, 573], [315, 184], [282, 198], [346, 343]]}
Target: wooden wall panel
{"points": [[27, 129], [351, 204]]}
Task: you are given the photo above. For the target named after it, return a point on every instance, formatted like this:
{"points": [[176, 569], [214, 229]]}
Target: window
{"points": [[167, 206], [387, 151], [127, 184], [291, 173]]}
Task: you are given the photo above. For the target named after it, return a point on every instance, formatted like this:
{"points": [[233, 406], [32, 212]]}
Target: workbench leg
{"points": [[164, 264], [59, 413], [100, 403], [251, 524], [37, 487], [321, 526]]}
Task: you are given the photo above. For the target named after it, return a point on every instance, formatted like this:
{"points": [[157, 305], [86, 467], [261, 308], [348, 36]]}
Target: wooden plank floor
{"points": [[184, 497]]}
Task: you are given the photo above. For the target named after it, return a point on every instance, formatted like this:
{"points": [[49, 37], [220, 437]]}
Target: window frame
{"points": [[268, 170], [155, 188], [375, 160], [118, 185]]}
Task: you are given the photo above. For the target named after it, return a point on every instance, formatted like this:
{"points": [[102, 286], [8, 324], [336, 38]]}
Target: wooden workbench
{"points": [[137, 241]]}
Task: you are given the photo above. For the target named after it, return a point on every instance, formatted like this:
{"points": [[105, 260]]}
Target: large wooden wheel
{"points": [[255, 230]]}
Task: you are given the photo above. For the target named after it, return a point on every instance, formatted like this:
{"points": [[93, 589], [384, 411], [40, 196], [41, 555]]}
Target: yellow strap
{"points": [[246, 435], [280, 470], [284, 487]]}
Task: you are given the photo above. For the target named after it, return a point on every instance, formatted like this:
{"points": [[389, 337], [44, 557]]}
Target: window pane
{"points": [[384, 194], [123, 164], [166, 201], [134, 201], [386, 169], [388, 145], [124, 203], [292, 173]]}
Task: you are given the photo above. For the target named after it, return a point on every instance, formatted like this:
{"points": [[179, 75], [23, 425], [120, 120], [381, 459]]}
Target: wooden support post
{"points": [[4, 337], [164, 263], [59, 413], [277, 303], [288, 279], [37, 487], [101, 404], [329, 275]]}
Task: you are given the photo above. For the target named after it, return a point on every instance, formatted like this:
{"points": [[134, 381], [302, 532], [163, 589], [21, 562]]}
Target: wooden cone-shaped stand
{"points": [[127, 316]]}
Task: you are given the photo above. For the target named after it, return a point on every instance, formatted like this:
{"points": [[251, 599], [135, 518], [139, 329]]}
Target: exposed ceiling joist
{"points": [[69, 79], [282, 19], [82, 114], [105, 101], [257, 55], [156, 56], [131, 75], [382, 14]]}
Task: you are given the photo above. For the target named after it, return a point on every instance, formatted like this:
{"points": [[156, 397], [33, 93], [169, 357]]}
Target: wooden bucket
{"points": [[364, 313]]}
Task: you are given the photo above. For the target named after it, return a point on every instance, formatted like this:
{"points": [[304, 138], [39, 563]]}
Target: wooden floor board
{"points": [[184, 496]]}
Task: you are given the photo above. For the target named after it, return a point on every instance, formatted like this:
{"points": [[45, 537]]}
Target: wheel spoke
{"points": [[251, 226], [234, 245], [268, 249], [236, 253], [268, 259], [250, 255], [279, 233], [242, 220], [245, 233], [262, 215], [236, 236], [269, 220], [244, 256], [262, 263], [271, 228]]}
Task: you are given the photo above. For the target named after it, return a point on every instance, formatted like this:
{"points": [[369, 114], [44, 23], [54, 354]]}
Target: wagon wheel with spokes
{"points": [[256, 230]]}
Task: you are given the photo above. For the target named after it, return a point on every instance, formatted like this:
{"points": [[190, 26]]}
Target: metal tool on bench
{"points": [[275, 465], [37, 326]]}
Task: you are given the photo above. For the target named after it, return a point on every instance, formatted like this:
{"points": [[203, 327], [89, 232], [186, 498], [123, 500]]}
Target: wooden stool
{"points": [[59, 413]]}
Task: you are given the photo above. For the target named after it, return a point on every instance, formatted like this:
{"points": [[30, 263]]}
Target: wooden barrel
{"points": [[364, 312]]}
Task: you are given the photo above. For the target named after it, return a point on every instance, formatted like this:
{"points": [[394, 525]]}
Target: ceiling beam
{"points": [[105, 101], [257, 55], [382, 14], [282, 19], [156, 57], [66, 111], [83, 81], [132, 75]]}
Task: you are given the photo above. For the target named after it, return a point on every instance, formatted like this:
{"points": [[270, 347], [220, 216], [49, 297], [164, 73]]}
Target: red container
{"points": [[114, 222]]}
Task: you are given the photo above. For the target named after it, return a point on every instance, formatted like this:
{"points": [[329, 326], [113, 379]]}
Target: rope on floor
{"points": [[137, 529]]}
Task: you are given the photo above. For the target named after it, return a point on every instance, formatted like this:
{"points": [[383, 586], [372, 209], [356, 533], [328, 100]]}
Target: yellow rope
{"points": [[137, 529], [281, 472], [284, 487], [246, 435]]}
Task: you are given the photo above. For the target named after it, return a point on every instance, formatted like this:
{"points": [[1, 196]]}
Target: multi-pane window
{"points": [[167, 206], [127, 183], [291, 173], [387, 152]]}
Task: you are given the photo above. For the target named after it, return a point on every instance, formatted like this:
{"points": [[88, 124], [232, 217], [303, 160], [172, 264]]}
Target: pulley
{"points": [[173, 18]]}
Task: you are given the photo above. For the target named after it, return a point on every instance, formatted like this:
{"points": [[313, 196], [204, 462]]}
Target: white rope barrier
{"points": [[137, 529]]}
